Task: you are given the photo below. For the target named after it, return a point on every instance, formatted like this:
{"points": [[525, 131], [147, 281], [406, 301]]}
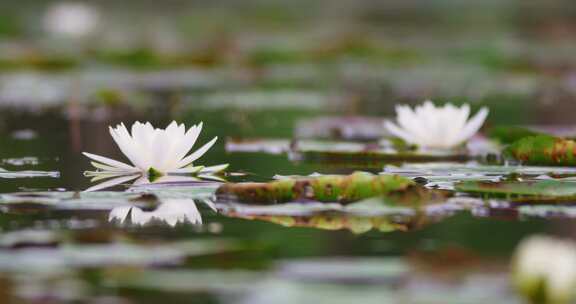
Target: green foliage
{"points": [[543, 150], [329, 188], [542, 190]]}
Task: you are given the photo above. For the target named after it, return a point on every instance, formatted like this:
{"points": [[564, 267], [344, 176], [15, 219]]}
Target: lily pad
{"points": [[355, 154], [73, 200], [62, 256], [445, 175], [543, 150], [28, 174], [329, 188], [543, 190], [369, 155]]}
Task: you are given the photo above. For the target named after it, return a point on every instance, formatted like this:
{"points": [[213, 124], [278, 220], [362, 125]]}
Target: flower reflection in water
{"points": [[170, 211]]}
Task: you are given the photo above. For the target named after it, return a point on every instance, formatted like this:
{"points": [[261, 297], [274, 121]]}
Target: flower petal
{"points": [[215, 169], [110, 162], [197, 154], [473, 125], [106, 168], [399, 132], [127, 145], [113, 182]]}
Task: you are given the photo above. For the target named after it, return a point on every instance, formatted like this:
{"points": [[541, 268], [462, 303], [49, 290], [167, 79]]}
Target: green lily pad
{"points": [[542, 190], [28, 174], [330, 188], [367, 155], [444, 175], [543, 150]]}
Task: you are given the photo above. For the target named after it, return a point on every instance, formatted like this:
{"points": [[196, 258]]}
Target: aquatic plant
{"points": [[331, 188], [71, 19], [544, 150], [153, 152], [434, 127], [544, 269]]}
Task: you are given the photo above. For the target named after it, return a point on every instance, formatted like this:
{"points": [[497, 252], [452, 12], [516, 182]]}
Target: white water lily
{"points": [[71, 19], [432, 127], [149, 149], [170, 211], [544, 269]]}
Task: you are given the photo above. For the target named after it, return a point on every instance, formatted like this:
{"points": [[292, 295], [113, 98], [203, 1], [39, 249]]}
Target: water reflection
{"points": [[170, 211]]}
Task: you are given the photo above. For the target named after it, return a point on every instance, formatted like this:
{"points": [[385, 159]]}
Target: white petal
{"points": [[473, 125], [398, 132], [197, 154], [215, 169], [97, 176], [110, 162], [111, 183], [127, 145], [106, 168], [456, 123], [188, 170]]}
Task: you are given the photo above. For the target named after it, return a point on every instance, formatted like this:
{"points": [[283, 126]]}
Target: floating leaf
{"points": [[547, 211], [67, 200], [68, 255], [543, 150], [445, 175], [329, 188], [365, 155], [28, 174], [368, 155], [538, 190]]}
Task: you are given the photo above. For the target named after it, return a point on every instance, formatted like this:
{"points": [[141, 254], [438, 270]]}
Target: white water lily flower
{"points": [[432, 127], [149, 149], [546, 267], [71, 19]]}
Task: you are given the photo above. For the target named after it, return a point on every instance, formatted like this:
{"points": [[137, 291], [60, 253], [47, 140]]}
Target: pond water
{"points": [[61, 244], [297, 92]]}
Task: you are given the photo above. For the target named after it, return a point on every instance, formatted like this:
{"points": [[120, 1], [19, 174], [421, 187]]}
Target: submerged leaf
{"points": [[330, 188], [543, 150]]}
